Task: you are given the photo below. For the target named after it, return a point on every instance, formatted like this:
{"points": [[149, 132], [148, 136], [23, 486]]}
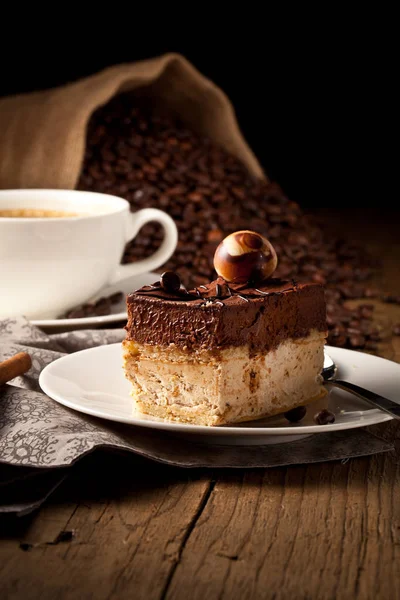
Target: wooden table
{"points": [[146, 531]]}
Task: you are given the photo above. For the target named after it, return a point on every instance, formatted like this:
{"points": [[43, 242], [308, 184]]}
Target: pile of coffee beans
{"points": [[153, 160], [100, 308]]}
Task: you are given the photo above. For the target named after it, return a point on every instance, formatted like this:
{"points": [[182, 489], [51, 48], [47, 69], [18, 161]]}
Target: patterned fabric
{"points": [[34, 430]]}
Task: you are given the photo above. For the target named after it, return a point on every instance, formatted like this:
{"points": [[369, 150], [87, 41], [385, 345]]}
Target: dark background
{"points": [[314, 109]]}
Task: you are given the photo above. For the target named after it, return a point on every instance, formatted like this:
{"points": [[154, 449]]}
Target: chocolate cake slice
{"points": [[225, 353]]}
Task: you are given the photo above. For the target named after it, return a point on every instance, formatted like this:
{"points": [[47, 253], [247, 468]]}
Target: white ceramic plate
{"points": [[92, 382], [118, 311]]}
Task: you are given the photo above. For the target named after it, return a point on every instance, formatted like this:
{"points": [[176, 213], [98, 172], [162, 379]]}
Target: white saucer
{"points": [[92, 382], [118, 311]]}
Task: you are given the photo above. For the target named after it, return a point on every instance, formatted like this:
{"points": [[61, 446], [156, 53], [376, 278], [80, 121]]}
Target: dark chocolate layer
{"points": [[217, 316]]}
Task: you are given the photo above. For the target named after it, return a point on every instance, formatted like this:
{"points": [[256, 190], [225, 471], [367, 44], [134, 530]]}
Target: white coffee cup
{"points": [[49, 265]]}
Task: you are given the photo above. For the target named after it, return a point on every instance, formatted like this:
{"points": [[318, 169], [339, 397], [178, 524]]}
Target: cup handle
{"points": [[135, 222]]}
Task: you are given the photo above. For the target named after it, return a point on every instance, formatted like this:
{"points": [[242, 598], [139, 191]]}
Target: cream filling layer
{"points": [[214, 389]]}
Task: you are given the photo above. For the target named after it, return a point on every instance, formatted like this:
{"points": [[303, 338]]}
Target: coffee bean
{"points": [[215, 235], [101, 307], [170, 282], [390, 299], [396, 329], [324, 417], [339, 341], [296, 414], [75, 313], [116, 298], [371, 345], [366, 311], [319, 277], [357, 340], [330, 321], [355, 324], [375, 335], [103, 301], [64, 536]]}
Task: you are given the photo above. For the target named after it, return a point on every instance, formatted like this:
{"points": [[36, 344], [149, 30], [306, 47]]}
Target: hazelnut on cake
{"points": [[228, 351]]}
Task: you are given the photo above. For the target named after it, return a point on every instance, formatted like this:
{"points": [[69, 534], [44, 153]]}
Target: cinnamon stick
{"points": [[14, 366]]}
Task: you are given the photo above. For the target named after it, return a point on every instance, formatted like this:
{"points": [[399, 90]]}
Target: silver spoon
{"points": [[329, 375]]}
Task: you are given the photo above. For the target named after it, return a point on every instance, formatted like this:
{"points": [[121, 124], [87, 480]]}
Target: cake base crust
{"points": [[231, 386]]}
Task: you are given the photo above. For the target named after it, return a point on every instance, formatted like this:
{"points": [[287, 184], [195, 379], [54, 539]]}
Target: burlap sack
{"points": [[43, 134]]}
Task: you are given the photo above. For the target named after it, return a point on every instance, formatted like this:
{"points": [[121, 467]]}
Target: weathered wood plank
{"points": [[314, 533], [127, 544]]}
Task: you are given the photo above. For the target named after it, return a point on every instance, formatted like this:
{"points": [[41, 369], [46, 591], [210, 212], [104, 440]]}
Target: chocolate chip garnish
{"points": [[296, 414], [170, 282], [324, 417]]}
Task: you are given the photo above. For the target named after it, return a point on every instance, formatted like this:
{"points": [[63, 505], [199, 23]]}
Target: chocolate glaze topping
{"points": [[218, 289], [219, 315]]}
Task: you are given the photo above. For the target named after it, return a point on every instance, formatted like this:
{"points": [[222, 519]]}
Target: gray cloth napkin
{"points": [[40, 439]]}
